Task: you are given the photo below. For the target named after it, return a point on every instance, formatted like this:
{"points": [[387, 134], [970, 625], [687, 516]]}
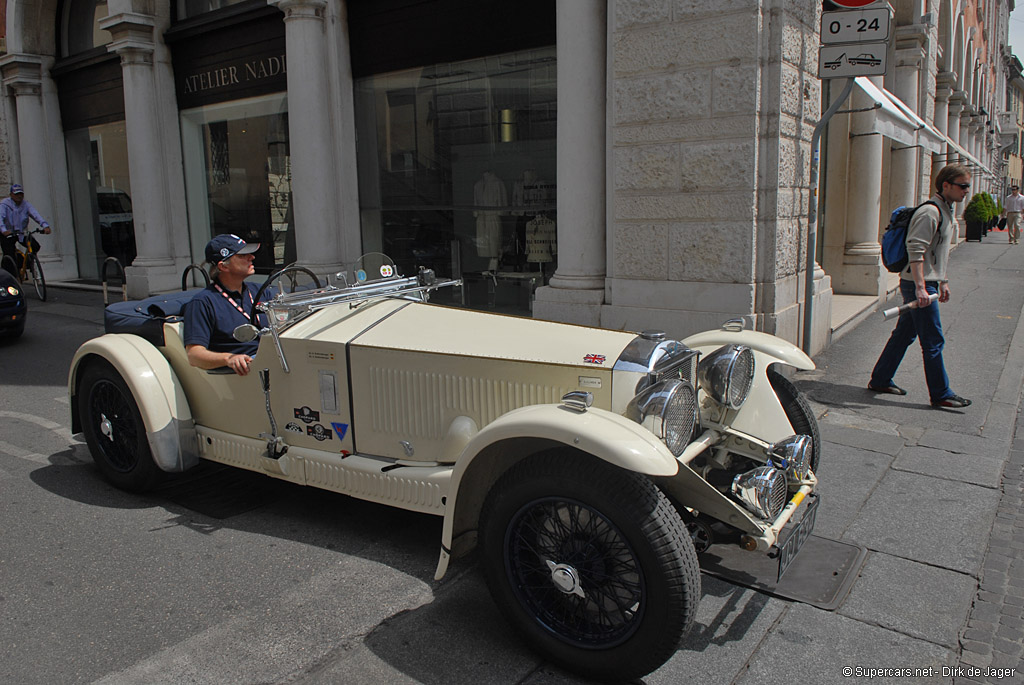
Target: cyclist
{"points": [[15, 211]]}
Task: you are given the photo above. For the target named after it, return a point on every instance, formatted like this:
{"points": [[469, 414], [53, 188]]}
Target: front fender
{"points": [[603, 434], [768, 345], [162, 404]]}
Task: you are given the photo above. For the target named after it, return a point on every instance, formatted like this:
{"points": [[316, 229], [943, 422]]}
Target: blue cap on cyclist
{"points": [[16, 189]]}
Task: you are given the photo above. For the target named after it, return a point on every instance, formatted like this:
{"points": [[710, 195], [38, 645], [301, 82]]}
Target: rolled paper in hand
{"points": [[896, 311]]}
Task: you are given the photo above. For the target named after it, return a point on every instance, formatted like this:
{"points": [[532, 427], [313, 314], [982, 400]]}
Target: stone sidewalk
{"points": [[935, 494]]}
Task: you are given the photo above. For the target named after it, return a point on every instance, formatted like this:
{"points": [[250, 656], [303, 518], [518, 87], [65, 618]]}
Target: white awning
{"points": [[888, 119], [955, 149]]}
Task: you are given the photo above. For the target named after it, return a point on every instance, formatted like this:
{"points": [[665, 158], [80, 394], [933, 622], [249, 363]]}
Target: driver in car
{"points": [[213, 314]]}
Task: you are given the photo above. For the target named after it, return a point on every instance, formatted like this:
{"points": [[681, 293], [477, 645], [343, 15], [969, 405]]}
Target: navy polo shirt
{"points": [[210, 319]]}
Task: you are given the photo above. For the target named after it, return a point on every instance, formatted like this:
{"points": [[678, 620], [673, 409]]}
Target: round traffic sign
{"points": [[853, 4]]}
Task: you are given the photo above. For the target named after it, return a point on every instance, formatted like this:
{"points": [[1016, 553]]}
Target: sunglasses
{"points": [[963, 186]]}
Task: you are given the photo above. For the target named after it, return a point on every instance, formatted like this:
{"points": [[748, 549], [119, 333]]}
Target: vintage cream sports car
{"points": [[589, 466]]}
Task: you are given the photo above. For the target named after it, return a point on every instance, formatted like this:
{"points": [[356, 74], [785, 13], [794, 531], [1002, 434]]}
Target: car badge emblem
{"points": [[319, 432], [306, 415], [594, 359], [293, 427], [340, 429], [387, 271], [360, 275]]}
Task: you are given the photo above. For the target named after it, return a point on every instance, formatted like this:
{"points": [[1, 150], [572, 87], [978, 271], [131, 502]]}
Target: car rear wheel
{"points": [[798, 411], [114, 429], [590, 563]]}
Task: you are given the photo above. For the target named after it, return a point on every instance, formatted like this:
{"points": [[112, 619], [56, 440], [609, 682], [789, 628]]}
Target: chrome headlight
{"points": [[727, 374], [762, 491], [669, 410], [793, 455]]}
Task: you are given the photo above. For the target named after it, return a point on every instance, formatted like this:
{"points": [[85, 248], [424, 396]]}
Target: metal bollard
{"points": [[120, 272], [185, 273]]}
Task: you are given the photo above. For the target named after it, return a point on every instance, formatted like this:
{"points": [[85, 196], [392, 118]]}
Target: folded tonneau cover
{"points": [[146, 317]]}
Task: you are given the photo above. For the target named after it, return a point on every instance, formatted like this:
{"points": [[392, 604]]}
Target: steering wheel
{"points": [[291, 271]]}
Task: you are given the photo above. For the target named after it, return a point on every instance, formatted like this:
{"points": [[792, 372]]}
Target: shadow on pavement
{"points": [[212, 497]]}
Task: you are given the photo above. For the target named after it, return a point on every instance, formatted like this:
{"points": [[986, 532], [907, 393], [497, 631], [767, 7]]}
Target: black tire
{"points": [[114, 429], [8, 264], [36, 270], [292, 272], [798, 411], [615, 538]]}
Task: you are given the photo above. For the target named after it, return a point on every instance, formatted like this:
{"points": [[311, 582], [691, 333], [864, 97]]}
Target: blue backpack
{"points": [[894, 240]]}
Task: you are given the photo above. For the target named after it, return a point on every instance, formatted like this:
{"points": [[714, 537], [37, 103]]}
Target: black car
{"points": [[13, 306]]}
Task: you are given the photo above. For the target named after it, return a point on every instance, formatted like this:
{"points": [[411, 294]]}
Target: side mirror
{"points": [[246, 333]]}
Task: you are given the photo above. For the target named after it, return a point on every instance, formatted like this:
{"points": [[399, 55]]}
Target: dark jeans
{"points": [[7, 243], [917, 323]]}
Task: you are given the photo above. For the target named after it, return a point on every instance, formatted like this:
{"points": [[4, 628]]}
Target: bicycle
{"points": [[30, 268]]}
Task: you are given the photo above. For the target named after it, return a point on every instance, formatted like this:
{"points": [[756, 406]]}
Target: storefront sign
{"points": [[233, 74], [221, 61]]}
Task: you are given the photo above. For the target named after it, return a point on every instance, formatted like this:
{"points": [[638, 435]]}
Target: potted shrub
{"points": [[993, 212], [975, 215]]}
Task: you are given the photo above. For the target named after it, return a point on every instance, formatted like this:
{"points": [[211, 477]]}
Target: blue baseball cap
{"points": [[226, 246], [16, 188]]}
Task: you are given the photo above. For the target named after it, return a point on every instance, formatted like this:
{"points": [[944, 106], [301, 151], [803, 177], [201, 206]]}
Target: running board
{"points": [[411, 486]]}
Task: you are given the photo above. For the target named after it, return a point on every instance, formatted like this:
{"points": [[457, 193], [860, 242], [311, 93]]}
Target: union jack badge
{"points": [[594, 359]]}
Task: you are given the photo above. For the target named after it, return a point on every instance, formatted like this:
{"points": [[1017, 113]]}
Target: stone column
{"points": [[576, 291], [154, 268], [22, 78], [862, 264], [311, 136], [37, 159], [940, 121], [903, 165], [953, 122]]}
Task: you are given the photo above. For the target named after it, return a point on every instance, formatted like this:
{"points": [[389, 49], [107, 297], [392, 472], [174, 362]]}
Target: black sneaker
{"points": [[954, 401]]}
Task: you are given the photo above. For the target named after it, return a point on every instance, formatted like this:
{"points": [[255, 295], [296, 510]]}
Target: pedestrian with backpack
{"points": [[929, 236]]}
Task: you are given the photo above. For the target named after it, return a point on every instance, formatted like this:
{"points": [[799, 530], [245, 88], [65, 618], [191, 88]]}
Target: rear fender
{"points": [[170, 429], [518, 434], [762, 415]]}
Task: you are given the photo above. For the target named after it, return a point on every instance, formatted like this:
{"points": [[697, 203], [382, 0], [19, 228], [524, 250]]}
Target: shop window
{"points": [[100, 196], [80, 29], [238, 176], [457, 172]]}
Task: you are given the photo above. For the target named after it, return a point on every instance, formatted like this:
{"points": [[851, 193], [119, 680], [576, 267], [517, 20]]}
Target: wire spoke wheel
{"points": [[575, 571], [114, 429], [590, 563], [112, 414], [35, 270]]}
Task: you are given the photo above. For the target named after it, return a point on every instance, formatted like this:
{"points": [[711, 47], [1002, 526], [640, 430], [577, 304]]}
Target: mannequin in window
{"points": [[489, 191]]}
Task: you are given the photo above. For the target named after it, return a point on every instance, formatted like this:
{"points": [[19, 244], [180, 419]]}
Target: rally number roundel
{"points": [[853, 4]]}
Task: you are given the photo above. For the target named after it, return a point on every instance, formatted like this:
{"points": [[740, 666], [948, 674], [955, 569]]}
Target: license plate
{"points": [[798, 536]]}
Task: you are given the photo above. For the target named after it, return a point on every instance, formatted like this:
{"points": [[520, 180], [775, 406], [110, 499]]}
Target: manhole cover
{"points": [[820, 575]]}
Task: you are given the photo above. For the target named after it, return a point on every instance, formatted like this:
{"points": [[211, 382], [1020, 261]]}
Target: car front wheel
{"points": [[590, 563], [114, 429]]}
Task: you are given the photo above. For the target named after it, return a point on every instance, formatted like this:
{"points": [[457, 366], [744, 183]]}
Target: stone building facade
{"points": [[668, 140]]}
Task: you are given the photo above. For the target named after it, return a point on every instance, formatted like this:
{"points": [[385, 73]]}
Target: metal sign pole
{"points": [[812, 217]]}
